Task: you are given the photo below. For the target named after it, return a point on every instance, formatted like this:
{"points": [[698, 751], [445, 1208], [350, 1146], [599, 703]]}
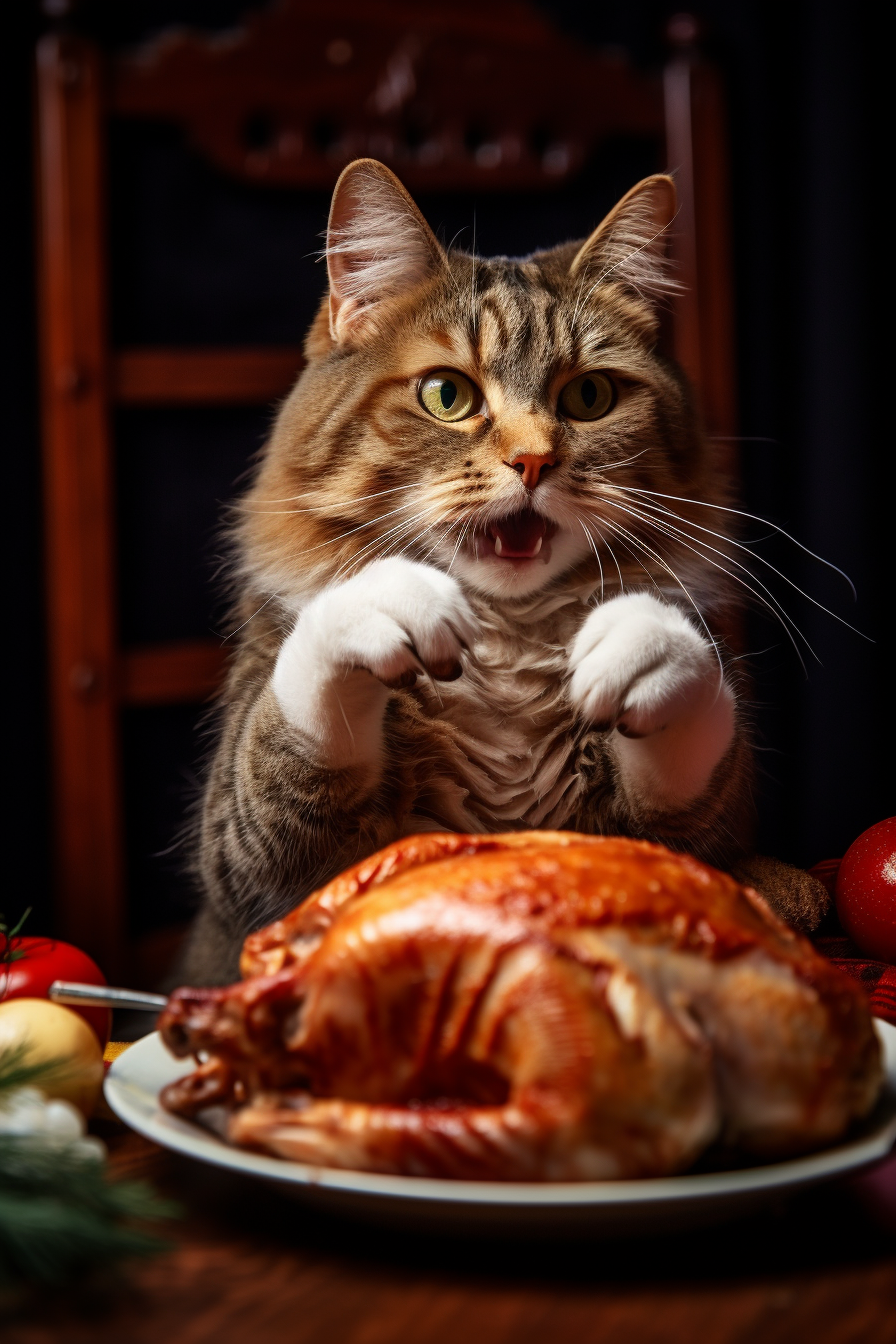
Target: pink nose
{"points": [[530, 466]]}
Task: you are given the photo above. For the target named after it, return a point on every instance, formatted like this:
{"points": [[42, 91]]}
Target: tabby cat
{"points": [[481, 573]]}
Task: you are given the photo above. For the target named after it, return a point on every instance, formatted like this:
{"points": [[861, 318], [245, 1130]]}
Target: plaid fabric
{"points": [[878, 977]]}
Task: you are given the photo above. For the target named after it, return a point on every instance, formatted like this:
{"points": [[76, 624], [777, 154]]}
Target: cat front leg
{"points": [[646, 675], [356, 641]]}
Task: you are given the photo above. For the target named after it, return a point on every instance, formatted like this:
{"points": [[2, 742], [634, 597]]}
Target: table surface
{"points": [[253, 1266]]}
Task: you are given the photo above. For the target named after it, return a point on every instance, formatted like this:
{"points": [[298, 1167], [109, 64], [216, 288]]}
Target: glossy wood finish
{"points": [[172, 377], [80, 560], [696, 150], [172, 674], [251, 1264], [455, 97]]}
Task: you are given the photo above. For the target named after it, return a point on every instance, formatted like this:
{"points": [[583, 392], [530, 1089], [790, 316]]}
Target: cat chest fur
{"points": [[503, 739]]}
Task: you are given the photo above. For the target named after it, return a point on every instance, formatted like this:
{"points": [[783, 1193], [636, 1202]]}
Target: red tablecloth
{"points": [[878, 977]]}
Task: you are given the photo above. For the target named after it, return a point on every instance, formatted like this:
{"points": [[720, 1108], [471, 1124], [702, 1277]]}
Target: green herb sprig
{"points": [[8, 953], [60, 1217]]}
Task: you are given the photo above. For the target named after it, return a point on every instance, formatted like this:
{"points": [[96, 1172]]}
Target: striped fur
{"points": [[356, 470]]}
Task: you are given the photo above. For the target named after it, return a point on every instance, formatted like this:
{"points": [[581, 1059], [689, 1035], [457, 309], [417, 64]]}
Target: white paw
{"points": [[638, 664], [382, 628]]}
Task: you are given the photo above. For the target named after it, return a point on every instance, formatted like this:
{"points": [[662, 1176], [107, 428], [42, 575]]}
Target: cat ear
{"points": [[630, 245], [378, 246]]}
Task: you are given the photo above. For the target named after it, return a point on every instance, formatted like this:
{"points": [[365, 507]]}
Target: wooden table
{"points": [[252, 1266]]}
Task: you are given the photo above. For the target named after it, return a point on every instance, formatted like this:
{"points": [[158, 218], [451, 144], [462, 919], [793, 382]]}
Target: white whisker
{"points": [[378, 541], [741, 513], [668, 513], [641, 545], [258, 610], [773, 604], [593, 545], [330, 507]]}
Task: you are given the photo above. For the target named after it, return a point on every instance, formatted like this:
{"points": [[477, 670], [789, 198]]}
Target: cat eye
{"points": [[449, 395], [588, 397]]}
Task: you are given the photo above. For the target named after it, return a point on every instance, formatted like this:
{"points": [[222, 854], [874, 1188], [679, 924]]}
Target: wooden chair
{"points": [[475, 97]]}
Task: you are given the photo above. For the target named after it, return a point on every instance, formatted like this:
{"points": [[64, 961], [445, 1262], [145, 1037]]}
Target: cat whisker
{"points": [[772, 604], [575, 314], [642, 546], [615, 561], [593, 545], [378, 541], [437, 543], [474, 316], [460, 540], [329, 507], [416, 539], [620, 531], [668, 513], [257, 612], [613, 466], [678, 537], [658, 282], [742, 513], [332, 541]]}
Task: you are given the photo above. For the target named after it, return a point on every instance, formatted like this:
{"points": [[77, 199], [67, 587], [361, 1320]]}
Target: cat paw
{"points": [[380, 629], [395, 619], [638, 665]]}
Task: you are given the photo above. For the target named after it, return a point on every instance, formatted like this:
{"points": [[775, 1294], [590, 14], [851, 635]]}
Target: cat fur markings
{"points": [[480, 623]]}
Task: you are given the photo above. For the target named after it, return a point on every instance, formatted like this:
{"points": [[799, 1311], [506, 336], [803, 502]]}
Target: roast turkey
{"points": [[535, 1006]]}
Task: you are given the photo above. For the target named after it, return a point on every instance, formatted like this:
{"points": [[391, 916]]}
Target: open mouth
{"points": [[519, 536]]}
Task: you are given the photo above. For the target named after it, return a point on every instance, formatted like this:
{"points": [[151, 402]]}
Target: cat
{"points": [[481, 573]]}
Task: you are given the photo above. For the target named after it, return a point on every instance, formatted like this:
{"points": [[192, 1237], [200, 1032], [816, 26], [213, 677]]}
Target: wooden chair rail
{"points": [[203, 377], [183, 673]]}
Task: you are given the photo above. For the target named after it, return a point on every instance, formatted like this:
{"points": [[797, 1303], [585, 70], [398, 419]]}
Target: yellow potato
{"points": [[50, 1031]]}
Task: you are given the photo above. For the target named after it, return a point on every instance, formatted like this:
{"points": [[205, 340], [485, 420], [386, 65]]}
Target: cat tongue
{"points": [[518, 536]]}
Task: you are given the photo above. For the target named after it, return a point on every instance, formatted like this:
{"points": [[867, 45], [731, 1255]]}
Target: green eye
{"points": [[588, 397], [449, 396]]}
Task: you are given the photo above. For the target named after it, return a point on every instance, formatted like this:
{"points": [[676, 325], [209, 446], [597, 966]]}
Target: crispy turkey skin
{"points": [[533, 1006]]}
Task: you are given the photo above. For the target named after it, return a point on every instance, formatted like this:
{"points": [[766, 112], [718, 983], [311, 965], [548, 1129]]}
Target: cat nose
{"points": [[530, 466]]}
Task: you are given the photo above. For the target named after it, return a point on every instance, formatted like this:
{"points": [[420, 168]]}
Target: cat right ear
{"points": [[379, 246], [629, 247]]}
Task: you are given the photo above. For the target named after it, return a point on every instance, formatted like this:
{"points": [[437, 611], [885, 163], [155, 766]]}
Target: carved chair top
{"points": [[453, 97]]}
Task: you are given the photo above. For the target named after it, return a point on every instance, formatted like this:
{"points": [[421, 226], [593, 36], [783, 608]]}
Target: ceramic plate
{"points": [[595, 1207]]}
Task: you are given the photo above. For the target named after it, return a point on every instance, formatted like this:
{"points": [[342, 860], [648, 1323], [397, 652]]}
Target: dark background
{"points": [[805, 88]]}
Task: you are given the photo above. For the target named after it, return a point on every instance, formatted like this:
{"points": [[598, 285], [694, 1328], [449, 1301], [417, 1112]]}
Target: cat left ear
{"points": [[379, 246], [629, 247]]}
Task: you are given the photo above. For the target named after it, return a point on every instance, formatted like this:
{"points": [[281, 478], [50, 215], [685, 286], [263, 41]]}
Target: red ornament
{"points": [[46, 960], [866, 891]]}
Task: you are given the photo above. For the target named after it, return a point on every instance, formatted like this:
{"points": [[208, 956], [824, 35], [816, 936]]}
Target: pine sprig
{"points": [[60, 1217], [9, 953], [16, 1072]]}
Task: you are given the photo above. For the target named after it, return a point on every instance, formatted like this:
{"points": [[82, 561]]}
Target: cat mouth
{"points": [[524, 535]]}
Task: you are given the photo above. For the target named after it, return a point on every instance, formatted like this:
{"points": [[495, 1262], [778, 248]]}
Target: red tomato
{"points": [[866, 891], [46, 960]]}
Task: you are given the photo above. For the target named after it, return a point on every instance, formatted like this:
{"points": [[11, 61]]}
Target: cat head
{"points": [[484, 415]]}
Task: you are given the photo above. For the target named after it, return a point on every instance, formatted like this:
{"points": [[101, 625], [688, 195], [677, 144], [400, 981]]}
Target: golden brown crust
{"points": [[529, 1006]]}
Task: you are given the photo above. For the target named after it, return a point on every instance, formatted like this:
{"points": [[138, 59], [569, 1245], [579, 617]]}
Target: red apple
{"points": [[866, 891], [40, 961]]}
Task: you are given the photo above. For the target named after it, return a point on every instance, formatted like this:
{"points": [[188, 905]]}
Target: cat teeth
{"points": [[499, 549]]}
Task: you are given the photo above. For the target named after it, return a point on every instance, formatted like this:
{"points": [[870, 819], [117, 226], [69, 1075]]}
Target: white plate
{"points": [[603, 1207]]}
